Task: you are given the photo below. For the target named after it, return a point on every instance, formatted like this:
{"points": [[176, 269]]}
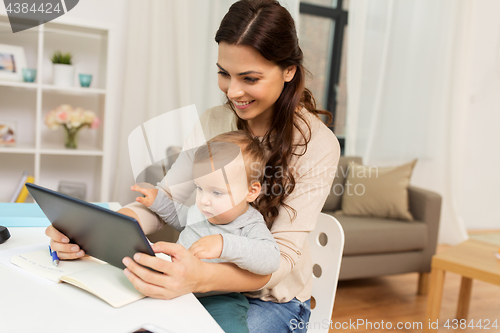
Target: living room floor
{"points": [[394, 299]]}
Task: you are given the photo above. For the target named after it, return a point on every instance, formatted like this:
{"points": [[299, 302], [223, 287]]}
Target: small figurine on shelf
{"points": [[72, 120], [63, 70], [7, 133]]}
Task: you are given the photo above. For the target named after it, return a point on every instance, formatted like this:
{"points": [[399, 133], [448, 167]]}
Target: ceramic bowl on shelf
{"points": [[85, 80], [29, 74]]}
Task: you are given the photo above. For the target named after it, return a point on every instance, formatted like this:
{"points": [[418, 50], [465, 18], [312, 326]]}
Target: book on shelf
{"points": [[24, 192], [19, 186], [21, 192], [88, 273]]}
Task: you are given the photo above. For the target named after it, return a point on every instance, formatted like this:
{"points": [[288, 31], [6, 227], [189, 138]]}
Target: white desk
{"points": [[30, 305]]}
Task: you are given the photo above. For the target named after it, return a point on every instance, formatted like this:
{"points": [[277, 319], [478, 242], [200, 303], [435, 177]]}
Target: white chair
{"points": [[327, 244]]}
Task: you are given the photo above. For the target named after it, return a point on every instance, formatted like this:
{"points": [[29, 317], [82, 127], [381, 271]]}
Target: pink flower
{"points": [[62, 117], [95, 123]]}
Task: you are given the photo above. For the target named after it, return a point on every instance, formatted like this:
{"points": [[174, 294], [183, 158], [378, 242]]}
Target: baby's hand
{"points": [[150, 195], [208, 247]]}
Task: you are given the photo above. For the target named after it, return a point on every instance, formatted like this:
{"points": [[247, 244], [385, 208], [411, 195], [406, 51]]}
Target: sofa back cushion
{"points": [[334, 199], [378, 191]]}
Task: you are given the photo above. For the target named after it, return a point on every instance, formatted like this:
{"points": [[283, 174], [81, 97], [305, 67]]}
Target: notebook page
{"points": [[106, 282], [40, 263]]}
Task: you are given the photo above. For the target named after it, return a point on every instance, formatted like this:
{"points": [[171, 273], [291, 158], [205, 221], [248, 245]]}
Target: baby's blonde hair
{"points": [[225, 147]]}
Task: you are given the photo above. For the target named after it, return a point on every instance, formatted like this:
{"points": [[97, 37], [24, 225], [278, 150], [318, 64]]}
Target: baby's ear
{"points": [[254, 191]]}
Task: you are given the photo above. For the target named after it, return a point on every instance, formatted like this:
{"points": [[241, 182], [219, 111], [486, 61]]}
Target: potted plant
{"points": [[63, 70]]}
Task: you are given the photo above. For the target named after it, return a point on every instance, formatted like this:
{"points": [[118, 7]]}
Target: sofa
{"points": [[378, 246]]}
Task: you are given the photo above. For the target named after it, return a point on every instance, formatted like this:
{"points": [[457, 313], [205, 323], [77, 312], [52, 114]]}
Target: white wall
{"points": [[481, 180]]}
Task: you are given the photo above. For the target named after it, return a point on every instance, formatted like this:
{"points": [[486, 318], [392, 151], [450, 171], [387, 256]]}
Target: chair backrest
{"points": [[327, 244]]}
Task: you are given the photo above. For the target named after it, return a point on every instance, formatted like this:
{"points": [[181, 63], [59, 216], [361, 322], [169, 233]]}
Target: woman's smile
{"points": [[242, 105]]}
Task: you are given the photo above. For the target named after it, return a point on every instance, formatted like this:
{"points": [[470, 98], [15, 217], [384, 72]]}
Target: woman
{"points": [[261, 73]]}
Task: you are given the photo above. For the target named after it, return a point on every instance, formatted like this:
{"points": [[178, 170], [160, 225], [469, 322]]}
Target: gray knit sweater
{"points": [[246, 241]]}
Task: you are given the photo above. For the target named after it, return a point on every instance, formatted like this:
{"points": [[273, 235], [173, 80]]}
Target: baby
{"points": [[222, 226]]}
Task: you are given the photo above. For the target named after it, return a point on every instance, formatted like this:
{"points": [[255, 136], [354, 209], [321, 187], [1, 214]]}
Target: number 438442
{"points": [[484, 324], [24, 8]]}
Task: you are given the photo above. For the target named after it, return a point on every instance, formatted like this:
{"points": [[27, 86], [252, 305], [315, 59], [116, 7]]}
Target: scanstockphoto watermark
{"points": [[349, 189], [316, 178], [355, 325], [319, 188], [309, 169]]}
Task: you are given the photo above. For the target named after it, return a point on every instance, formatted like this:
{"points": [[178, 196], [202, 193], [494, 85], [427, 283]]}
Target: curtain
{"points": [[170, 64], [406, 81]]}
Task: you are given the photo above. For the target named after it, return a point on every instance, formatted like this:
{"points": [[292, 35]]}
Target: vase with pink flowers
{"points": [[72, 120]]}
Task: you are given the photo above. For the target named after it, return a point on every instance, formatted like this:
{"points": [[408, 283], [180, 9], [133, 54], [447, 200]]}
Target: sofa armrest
{"points": [[425, 206]]}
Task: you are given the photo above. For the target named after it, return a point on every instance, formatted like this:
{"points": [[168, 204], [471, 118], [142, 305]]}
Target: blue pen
{"points": [[55, 258]]}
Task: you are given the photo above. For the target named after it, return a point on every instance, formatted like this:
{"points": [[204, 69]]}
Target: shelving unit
{"points": [[40, 150]]}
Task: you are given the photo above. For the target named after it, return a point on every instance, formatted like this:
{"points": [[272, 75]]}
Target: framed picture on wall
{"points": [[7, 133], [12, 62]]}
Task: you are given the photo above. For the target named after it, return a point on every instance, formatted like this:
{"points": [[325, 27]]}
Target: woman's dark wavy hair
{"points": [[269, 28]]}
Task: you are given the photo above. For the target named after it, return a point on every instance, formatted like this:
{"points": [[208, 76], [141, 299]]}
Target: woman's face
{"points": [[251, 82]]}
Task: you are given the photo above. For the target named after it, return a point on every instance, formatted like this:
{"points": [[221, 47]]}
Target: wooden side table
{"points": [[471, 259]]}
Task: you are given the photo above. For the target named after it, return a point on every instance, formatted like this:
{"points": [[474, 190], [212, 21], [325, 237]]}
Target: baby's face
{"points": [[220, 201]]}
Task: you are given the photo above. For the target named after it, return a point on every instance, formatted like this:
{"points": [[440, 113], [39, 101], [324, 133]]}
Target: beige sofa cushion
{"points": [[368, 235], [377, 191]]}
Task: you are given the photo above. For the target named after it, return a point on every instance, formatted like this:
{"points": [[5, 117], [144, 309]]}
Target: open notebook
{"points": [[93, 275]]}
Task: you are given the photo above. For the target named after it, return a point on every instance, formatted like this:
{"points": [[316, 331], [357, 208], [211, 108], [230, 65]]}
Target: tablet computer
{"points": [[100, 232]]}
